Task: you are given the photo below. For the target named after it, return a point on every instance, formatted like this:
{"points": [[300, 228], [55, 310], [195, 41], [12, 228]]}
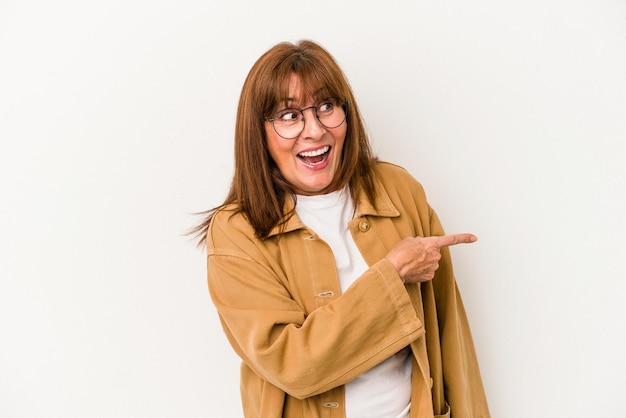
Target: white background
{"points": [[116, 123]]}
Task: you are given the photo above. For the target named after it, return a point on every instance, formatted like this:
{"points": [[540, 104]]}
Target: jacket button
{"points": [[364, 226]]}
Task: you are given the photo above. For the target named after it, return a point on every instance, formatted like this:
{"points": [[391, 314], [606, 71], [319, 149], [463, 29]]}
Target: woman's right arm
{"points": [[304, 354]]}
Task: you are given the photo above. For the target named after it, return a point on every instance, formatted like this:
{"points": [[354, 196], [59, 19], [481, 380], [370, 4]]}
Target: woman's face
{"points": [[309, 161]]}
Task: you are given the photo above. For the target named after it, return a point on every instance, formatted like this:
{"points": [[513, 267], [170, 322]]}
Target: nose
{"points": [[313, 129]]}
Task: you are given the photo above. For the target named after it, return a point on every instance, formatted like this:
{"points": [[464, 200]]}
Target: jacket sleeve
{"points": [[302, 354], [461, 375]]}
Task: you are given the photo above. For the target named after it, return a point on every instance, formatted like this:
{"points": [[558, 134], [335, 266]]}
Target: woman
{"points": [[329, 270]]}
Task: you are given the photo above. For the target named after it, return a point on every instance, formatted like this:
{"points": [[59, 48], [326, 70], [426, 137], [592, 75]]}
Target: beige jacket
{"points": [[301, 340]]}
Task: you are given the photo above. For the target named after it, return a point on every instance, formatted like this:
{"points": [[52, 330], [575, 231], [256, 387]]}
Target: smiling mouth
{"points": [[315, 157]]}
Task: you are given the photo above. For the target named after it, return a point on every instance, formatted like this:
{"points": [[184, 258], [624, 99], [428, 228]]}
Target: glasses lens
{"points": [[331, 113], [288, 123]]}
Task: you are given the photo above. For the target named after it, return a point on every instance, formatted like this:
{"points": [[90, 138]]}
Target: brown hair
{"points": [[258, 189]]}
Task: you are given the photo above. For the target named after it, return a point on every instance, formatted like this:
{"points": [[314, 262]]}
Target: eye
{"points": [[288, 115], [326, 106]]}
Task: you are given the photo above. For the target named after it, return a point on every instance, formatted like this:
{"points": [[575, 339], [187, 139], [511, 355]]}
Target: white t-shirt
{"points": [[385, 390]]}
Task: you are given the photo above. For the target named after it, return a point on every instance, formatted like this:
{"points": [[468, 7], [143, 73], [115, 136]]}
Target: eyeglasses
{"points": [[289, 123]]}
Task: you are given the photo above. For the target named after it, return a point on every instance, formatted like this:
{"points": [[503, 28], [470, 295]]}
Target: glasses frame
{"points": [[344, 105]]}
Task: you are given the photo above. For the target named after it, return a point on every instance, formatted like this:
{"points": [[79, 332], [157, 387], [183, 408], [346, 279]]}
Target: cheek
{"points": [[278, 148], [270, 141], [340, 140]]}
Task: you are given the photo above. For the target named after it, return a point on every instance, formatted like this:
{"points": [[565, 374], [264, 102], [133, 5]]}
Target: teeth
{"points": [[316, 152]]}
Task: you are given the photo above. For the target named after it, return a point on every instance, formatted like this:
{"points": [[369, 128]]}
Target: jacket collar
{"points": [[384, 207]]}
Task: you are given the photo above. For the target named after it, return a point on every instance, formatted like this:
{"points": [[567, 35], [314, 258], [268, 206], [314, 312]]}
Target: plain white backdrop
{"points": [[116, 123]]}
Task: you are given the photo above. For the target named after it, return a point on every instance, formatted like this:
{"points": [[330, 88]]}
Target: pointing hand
{"points": [[416, 259]]}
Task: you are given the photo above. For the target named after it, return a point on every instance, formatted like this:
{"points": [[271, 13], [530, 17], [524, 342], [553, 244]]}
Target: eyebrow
{"points": [[290, 101]]}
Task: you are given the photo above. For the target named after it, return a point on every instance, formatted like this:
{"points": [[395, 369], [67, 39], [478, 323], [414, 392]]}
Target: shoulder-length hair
{"points": [[258, 189]]}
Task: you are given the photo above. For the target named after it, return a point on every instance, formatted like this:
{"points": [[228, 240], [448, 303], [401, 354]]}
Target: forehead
{"points": [[300, 93], [295, 92]]}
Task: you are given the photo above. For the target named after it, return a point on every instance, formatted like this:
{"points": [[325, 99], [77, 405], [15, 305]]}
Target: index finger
{"points": [[453, 239]]}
